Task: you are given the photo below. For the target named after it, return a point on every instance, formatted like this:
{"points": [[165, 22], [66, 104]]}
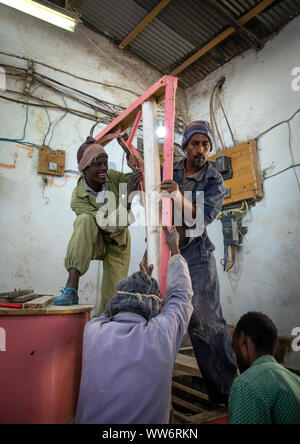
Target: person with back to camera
{"points": [[130, 351]]}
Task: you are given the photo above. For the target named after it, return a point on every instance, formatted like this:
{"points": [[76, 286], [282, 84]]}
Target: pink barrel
{"points": [[40, 368]]}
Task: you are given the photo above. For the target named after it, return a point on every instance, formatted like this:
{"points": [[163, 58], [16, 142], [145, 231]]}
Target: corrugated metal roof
{"points": [[182, 28]]}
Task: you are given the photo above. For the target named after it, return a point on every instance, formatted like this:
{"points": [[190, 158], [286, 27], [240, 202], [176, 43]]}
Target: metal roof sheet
{"points": [[182, 28]]}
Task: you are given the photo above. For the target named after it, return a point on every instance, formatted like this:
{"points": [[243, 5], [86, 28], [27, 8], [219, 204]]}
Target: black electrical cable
{"points": [[69, 74], [282, 171], [110, 113], [57, 107], [179, 123]]}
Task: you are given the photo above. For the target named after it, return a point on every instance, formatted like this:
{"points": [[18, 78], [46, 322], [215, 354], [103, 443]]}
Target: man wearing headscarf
{"points": [[207, 329], [129, 352], [101, 227]]}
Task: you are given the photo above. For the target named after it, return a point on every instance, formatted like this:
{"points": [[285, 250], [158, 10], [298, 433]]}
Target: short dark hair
{"points": [[261, 330]]}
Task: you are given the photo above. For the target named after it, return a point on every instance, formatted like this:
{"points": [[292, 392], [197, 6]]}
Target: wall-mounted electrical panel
{"points": [[233, 231], [241, 173], [51, 162]]}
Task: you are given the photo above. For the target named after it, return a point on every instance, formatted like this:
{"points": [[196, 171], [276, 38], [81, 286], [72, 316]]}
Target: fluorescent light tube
{"points": [[43, 12]]}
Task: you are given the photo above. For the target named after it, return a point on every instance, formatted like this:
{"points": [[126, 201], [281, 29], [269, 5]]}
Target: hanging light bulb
{"points": [[161, 131]]}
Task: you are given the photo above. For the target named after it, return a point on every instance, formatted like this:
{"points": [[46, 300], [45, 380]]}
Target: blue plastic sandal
{"points": [[69, 296]]}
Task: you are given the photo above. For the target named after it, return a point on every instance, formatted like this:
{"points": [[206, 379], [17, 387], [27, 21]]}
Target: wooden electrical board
{"points": [[245, 183], [51, 162]]}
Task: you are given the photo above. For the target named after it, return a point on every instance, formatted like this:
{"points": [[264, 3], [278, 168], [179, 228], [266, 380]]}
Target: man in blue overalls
{"points": [[207, 329]]}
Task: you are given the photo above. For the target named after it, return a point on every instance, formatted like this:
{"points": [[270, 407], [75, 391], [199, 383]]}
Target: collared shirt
{"points": [[209, 181], [128, 363], [100, 196], [189, 182], [266, 393], [84, 202]]}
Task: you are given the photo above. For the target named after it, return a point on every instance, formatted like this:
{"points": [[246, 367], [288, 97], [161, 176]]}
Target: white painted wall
{"points": [[258, 94], [34, 231]]}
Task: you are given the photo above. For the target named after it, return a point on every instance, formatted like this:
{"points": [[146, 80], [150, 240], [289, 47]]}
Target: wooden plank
{"points": [[246, 33], [180, 418], [15, 293], [246, 18], [200, 418], [206, 416], [187, 405], [152, 14], [21, 299], [202, 397], [41, 302], [187, 364]]}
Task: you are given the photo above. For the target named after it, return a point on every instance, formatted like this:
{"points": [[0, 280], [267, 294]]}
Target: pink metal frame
{"points": [[164, 89]]}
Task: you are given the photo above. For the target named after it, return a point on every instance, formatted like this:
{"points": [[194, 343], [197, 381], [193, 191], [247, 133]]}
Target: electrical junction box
{"points": [[223, 165], [51, 162], [245, 182], [233, 231]]}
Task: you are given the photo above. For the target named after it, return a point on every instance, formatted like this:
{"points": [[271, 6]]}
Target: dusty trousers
{"points": [[207, 328], [88, 243]]}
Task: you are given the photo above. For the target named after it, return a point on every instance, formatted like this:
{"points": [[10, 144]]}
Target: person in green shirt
{"points": [[265, 392], [101, 226]]}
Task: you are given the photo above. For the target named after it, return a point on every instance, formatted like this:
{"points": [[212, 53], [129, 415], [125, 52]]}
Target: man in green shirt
{"points": [[101, 227], [265, 392]]}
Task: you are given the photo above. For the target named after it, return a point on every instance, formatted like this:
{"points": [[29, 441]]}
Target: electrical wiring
{"points": [[51, 105], [59, 119], [21, 140], [216, 93], [287, 121], [70, 74], [277, 124], [213, 120], [232, 260], [224, 262], [40, 78], [111, 109], [243, 209], [296, 165]]}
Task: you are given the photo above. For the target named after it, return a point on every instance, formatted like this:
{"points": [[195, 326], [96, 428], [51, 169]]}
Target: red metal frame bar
{"points": [[167, 174], [164, 89]]}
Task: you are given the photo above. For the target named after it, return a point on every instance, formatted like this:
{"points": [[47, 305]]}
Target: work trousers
{"points": [[207, 328], [88, 243]]}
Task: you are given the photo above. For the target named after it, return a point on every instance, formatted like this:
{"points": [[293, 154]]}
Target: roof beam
{"points": [[246, 18], [144, 23], [248, 35]]}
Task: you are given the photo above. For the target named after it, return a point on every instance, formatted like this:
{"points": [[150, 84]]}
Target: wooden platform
{"points": [[190, 403]]}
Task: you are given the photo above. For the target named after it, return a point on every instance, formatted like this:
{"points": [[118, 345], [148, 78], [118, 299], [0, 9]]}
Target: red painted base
{"points": [[41, 368]]}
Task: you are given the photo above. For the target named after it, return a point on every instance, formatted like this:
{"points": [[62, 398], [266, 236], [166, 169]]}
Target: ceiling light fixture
{"points": [[43, 12]]}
